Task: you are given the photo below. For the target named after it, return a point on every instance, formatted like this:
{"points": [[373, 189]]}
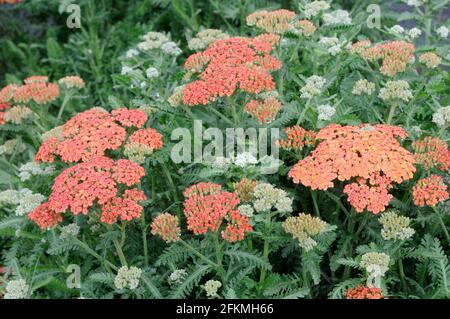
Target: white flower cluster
{"points": [[177, 276], [245, 159], [152, 40], [27, 170], [376, 264], [443, 31], [332, 44], [131, 53], [211, 287], [127, 277], [11, 146], [326, 112], [394, 90], [246, 210], [363, 86], [29, 203], [314, 8], [395, 226], [24, 200], [152, 72], [171, 48], [397, 29], [16, 289], [442, 116], [268, 197], [68, 231], [411, 34], [313, 87], [337, 17], [205, 37], [414, 3]]}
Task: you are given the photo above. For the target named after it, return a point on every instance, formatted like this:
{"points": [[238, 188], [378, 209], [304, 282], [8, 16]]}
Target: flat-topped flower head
{"points": [[244, 189], [277, 21], [18, 114], [101, 181], [128, 277], [363, 86], [205, 38], [395, 226], [303, 28], [228, 65], [303, 228], [364, 292], [166, 226], [313, 8], [91, 134], [430, 191], [396, 90], [432, 152], [207, 208], [297, 138], [395, 55], [442, 117], [370, 154], [72, 82], [313, 87], [268, 197], [430, 59], [376, 264], [264, 111]]}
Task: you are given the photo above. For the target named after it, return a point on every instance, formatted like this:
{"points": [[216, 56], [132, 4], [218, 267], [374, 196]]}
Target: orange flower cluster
{"points": [[3, 106], [227, 65], [206, 206], [147, 137], [432, 152], [265, 110], [9, 1], [297, 138], [90, 134], [166, 226], [101, 181], [271, 38], [430, 191], [244, 189], [36, 89], [394, 54], [277, 21], [370, 154], [363, 292]]}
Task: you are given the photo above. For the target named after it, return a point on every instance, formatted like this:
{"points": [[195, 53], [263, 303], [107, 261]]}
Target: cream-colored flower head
{"points": [[303, 227], [128, 277], [363, 86], [212, 287], [18, 114], [396, 90], [395, 226]]}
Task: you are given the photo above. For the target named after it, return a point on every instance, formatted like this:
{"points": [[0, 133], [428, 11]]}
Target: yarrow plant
{"points": [[320, 168]]}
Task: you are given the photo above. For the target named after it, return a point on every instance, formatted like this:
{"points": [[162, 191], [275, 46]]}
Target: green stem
{"points": [[262, 275], [63, 106], [119, 251], [402, 273], [316, 206], [172, 187], [199, 254], [223, 117], [90, 251], [144, 238], [391, 112]]}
